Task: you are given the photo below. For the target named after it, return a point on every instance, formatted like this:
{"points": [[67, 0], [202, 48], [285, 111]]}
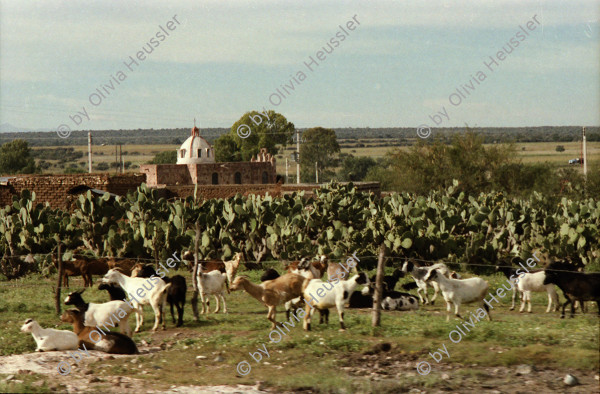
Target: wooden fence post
{"points": [[60, 274], [195, 274], [376, 313]]}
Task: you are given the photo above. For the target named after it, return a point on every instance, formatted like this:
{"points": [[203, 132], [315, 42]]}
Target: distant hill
{"points": [[8, 128], [394, 136]]}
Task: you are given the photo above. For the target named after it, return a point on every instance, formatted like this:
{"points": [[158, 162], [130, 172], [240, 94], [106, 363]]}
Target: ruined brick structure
{"points": [[58, 190]]}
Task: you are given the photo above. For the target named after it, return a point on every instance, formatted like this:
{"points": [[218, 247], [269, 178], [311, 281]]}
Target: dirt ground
{"points": [[383, 363]]}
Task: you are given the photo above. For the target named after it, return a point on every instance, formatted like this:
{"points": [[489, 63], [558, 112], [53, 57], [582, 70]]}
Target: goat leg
{"points": [[513, 298], [342, 327]]}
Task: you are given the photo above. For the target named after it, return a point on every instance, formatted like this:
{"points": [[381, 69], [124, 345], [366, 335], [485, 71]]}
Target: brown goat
{"points": [[84, 267], [124, 265], [110, 342], [272, 292], [333, 268], [317, 268]]}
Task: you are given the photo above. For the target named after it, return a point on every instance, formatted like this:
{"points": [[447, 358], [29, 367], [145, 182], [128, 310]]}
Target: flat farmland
{"points": [[534, 152]]}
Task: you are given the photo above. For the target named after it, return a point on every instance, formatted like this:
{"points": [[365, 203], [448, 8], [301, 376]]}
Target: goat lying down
{"points": [[397, 301], [390, 300], [48, 339], [110, 342]]}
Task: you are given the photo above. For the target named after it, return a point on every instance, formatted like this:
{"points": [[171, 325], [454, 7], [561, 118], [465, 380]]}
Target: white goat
{"points": [[156, 295], [212, 283], [534, 282], [460, 291], [336, 295], [528, 282], [108, 313], [48, 339], [418, 273]]}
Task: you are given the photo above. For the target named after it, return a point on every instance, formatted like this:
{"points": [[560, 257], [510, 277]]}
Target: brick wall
{"points": [[226, 191], [55, 188], [188, 174], [166, 174]]}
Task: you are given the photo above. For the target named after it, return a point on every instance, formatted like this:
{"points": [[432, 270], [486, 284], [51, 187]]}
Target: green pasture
{"points": [[207, 352]]}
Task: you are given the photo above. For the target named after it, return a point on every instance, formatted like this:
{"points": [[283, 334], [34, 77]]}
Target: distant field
{"points": [[534, 152]]}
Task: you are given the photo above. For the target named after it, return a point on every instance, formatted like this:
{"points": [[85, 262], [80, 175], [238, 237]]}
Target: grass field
{"points": [[324, 360], [534, 152]]}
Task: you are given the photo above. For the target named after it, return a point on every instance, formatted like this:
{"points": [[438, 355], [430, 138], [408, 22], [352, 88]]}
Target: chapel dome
{"points": [[195, 150]]}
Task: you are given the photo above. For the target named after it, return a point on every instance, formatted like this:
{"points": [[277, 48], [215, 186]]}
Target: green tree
{"points": [[355, 168], [166, 157], [226, 149], [319, 146], [434, 165], [272, 129], [15, 158]]}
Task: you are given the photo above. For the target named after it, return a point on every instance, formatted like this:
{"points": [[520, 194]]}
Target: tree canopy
{"points": [[319, 146], [267, 130], [355, 168], [15, 158], [166, 157]]}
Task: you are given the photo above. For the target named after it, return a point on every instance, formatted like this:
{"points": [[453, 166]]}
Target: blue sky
{"points": [[396, 68]]}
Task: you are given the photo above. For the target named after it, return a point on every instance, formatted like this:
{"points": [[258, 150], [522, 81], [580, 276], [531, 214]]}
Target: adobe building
{"points": [[196, 166]]}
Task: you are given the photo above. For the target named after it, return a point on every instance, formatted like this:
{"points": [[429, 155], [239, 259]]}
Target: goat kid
{"points": [[212, 283], [48, 339]]}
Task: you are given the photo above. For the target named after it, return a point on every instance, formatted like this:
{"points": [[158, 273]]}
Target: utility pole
{"points": [[286, 170], [317, 171], [121, 162], [584, 154], [90, 152], [297, 156], [584, 162]]}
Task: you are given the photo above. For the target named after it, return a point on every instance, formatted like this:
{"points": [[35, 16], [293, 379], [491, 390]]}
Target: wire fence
{"points": [[268, 264]]}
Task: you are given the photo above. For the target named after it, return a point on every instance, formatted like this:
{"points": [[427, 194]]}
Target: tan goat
{"points": [[272, 292]]}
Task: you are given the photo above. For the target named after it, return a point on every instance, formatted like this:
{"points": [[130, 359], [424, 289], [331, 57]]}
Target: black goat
{"points": [[175, 294], [390, 300], [115, 291], [575, 285], [390, 281], [269, 274]]}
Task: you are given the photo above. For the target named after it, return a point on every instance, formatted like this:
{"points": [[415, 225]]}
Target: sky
{"points": [[400, 64]]}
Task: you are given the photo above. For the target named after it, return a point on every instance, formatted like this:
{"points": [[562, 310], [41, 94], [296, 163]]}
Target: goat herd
{"points": [[131, 285]]}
